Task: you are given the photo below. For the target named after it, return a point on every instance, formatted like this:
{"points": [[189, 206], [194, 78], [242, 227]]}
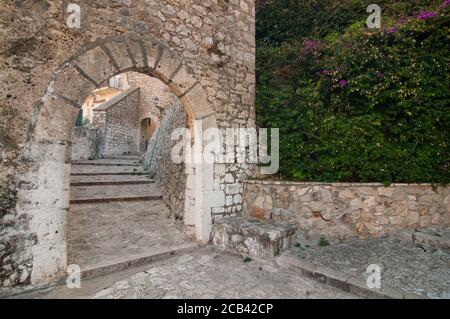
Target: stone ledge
{"points": [[288, 183], [341, 280]]}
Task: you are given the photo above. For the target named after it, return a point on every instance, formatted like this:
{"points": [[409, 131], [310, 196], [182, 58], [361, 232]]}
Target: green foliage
{"points": [[354, 104], [323, 242], [247, 260]]}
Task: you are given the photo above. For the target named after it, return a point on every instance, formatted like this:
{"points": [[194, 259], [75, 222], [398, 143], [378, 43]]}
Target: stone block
{"points": [[119, 51], [386, 191], [72, 85], [168, 64], [256, 238], [96, 64]]}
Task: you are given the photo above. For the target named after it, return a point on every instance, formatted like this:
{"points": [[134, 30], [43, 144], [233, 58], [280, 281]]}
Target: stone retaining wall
{"points": [[170, 176], [344, 210]]}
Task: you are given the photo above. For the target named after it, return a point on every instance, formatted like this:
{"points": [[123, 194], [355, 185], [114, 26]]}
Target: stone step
{"points": [[254, 237], [107, 164], [435, 238], [106, 170], [113, 193], [111, 174], [90, 180], [119, 264], [125, 157]]}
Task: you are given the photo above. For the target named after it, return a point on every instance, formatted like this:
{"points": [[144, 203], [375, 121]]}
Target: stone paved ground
{"points": [[405, 266], [109, 231], [207, 273]]}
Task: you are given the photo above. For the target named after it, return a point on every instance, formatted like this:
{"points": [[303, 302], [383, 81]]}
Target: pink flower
{"points": [[446, 3], [310, 46], [424, 15], [392, 30], [343, 83], [380, 74]]}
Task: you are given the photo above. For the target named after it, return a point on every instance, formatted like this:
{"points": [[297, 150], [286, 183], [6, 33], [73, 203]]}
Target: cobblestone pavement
{"points": [[405, 266], [207, 273], [108, 231]]}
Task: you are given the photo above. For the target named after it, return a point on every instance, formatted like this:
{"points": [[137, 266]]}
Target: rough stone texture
{"points": [[84, 143], [253, 237], [121, 124], [149, 89], [110, 180], [103, 170], [113, 191], [206, 274], [433, 237], [338, 211], [406, 267], [104, 232], [48, 71], [170, 177]]}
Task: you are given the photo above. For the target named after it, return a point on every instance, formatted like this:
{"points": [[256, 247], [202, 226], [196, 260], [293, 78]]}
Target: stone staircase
{"points": [[108, 180], [117, 218], [257, 238]]}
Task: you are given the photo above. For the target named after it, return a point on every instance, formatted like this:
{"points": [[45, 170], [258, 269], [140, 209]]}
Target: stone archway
{"points": [[49, 146]]}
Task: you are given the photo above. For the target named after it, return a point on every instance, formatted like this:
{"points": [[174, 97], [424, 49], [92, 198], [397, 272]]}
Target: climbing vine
{"points": [[356, 104]]}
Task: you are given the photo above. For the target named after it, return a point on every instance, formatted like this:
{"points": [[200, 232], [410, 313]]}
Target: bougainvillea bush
{"points": [[355, 104]]}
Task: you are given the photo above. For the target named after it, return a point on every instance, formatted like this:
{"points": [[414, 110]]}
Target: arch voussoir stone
{"points": [[137, 49], [96, 64], [70, 84], [168, 64], [121, 53], [183, 80], [196, 99], [154, 50]]}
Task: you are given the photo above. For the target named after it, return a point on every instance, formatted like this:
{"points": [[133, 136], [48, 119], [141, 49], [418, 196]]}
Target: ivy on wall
{"points": [[355, 104]]}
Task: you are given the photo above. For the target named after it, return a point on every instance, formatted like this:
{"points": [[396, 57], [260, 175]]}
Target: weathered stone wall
{"points": [[150, 88], [84, 143], [341, 210], [48, 70], [171, 177], [121, 125]]}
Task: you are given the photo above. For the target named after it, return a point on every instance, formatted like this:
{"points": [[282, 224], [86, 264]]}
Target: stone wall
{"points": [[344, 210], [48, 70], [121, 125], [150, 88], [171, 177], [84, 143]]}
